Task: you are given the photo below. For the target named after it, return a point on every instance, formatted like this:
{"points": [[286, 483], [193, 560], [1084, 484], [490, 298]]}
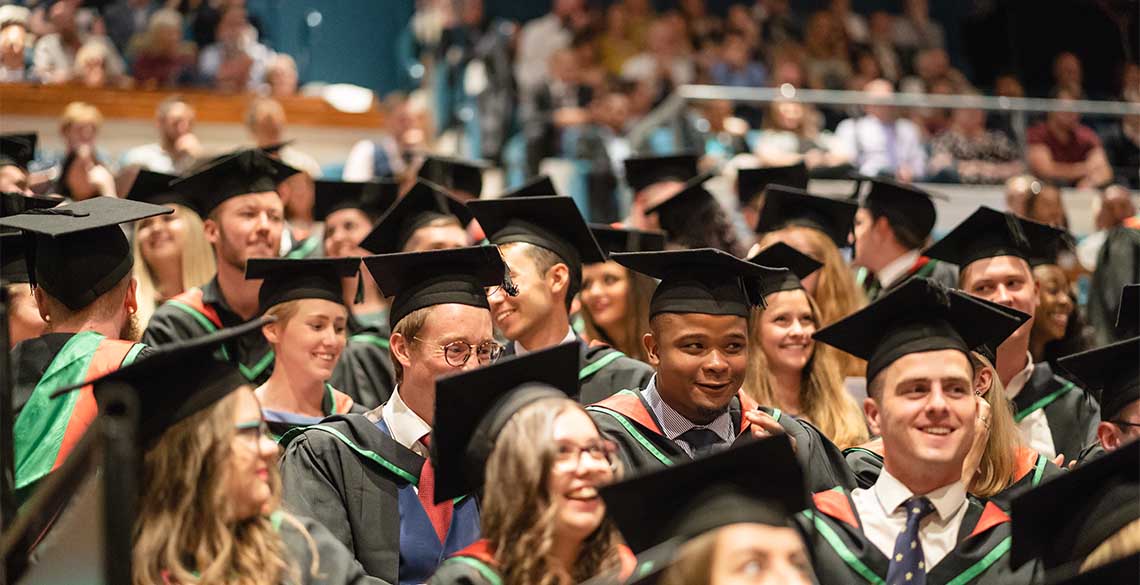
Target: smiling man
{"points": [[916, 524]]}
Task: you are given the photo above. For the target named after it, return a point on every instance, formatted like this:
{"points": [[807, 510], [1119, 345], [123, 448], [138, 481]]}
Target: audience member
{"points": [[883, 47], [828, 62], [854, 25], [1064, 151], [407, 128], [281, 76], [663, 63], [539, 38], [1045, 206], [880, 142], [725, 134], [914, 29], [159, 56], [1122, 147], [615, 46], [1068, 75], [791, 134], [969, 153], [266, 123], [16, 152], [55, 53], [778, 24], [91, 69], [13, 52], [1116, 209], [177, 148], [737, 65], [701, 26], [84, 171], [554, 106], [125, 19], [236, 61], [1018, 189]]}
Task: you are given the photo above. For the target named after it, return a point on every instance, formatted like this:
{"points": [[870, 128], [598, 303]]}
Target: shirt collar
{"points": [[1020, 379], [404, 424], [891, 494], [674, 424], [897, 268], [570, 336]]}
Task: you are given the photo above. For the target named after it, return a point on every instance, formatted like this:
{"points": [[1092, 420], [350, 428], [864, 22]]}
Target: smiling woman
{"points": [[171, 256]]}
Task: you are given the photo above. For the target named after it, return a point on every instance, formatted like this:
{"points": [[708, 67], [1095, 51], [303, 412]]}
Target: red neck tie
{"points": [[439, 514]]}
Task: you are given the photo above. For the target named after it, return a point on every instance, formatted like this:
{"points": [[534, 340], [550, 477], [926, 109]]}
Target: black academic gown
{"points": [[604, 371], [365, 370], [335, 565], [941, 272], [842, 554], [1072, 412], [626, 419]]}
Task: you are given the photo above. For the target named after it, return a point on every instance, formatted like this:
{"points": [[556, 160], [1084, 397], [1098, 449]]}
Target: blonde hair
{"points": [[998, 465], [517, 517], [80, 113], [147, 42], [693, 564], [634, 323], [1124, 542], [824, 401], [198, 264], [182, 534], [91, 50]]}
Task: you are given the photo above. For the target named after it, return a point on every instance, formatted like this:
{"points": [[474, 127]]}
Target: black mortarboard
{"points": [[17, 203], [17, 149], [152, 187], [553, 223], [371, 197], [423, 204], [455, 174], [1066, 518], [620, 239], [708, 493], [471, 409], [275, 148], [988, 233], [680, 209], [78, 251], [918, 316], [705, 281], [641, 172], [1112, 369], [1121, 571], [785, 206], [989, 347], [417, 280], [1128, 311], [540, 186], [13, 264], [290, 279], [906, 207], [230, 175], [781, 255], [750, 183]]}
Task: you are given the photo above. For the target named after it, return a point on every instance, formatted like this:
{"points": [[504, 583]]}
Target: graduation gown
{"points": [[626, 419], [364, 370], [1072, 412], [350, 475], [942, 272], [335, 402], [335, 565], [476, 565], [604, 371], [842, 554]]}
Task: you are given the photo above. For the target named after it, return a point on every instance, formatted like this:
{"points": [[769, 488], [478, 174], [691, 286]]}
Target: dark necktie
{"points": [[872, 286], [907, 564], [701, 441], [439, 514]]}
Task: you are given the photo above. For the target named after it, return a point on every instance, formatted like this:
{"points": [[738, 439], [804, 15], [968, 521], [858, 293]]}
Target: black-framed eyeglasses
{"points": [[458, 352], [253, 430], [569, 455], [1125, 423]]}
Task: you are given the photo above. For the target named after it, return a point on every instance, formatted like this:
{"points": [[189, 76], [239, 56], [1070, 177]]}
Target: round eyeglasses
{"points": [[458, 352]]}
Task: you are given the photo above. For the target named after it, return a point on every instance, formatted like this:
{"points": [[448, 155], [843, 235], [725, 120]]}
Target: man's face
{"points": [[925, 413], [444, 324], [436, 237], [866, 239], [13, 179], [246, 226], [1008, 281], [519, 316], [700, 361], [1123, 429], [179, 120]]}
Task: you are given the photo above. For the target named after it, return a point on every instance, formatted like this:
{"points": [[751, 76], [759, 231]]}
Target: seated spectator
{"points": [[84, 173], [159, 56], [1064, 151], [235, 62], [934, 121], [91, 66], [913, 29], [266, 123], [1122, 146], [866, 69], [13, 52], [1018, 189], [1045, 206], [177, 148], [854, 25], [791, 135], [125, 19], [553, 106], [1116, 210], [932, 66], [969, 153], [828, 63], [724, 134], [788, 67], [281, 76], [881, 143], [539, 38], [55, 53], [737, 65], [407, 129], [614, 45], [662, 63], [778, 24], [1068, 75], [701, 25], [883, 46]]}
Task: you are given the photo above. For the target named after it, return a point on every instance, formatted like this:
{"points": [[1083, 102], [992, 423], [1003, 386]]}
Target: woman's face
{"points": [[344, 230], [605, 288], [581, 465], [311, 341], [786, 327], [1054, 303], [757, 554], [251, 454], [162, 238], [789, 115]]}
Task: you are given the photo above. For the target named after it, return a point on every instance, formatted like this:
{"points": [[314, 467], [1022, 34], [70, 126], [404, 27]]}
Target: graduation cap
{"points": [[238, 173], [290, 279], [371, 197], [455, 174], [423, 204], [988, 233], [989, 347], [705, 281], [919, 316], [417, 280], [784, 206], [622, 239], [13, 266], [471, 409], [906, 207], [152, 187], [781, 255], [750, 183], [17, 203], [1066, 518], [1124, 570], [729, 487], [540, 186], [553, 223], [1113, 369], [641, 172], [1128, 311], [17, 149], [683, 207], [77, 252]]}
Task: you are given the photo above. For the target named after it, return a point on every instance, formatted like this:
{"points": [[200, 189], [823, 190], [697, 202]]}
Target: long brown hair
{"points": [[998, 464], [823, 400], [517, 517], [183, 534], [634, 323]]}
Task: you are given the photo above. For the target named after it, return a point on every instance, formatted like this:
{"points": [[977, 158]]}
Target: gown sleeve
{"points": [[319, 557], [310, 489]]}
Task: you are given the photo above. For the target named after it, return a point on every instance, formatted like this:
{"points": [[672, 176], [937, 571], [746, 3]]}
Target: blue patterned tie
{"points": [[907, 565], [701, 441]]}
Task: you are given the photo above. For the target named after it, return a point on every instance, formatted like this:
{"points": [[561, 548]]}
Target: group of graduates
{"points": [[465, 432]]}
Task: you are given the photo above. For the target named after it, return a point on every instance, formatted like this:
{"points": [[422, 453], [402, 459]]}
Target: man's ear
{"points": [[212, 231], [558, 278], [41, 303], [401, 349], [651, 348], [871, 412], [131, 300]]}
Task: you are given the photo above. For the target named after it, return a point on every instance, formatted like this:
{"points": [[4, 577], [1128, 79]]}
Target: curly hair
{"points": [[517, 517]]}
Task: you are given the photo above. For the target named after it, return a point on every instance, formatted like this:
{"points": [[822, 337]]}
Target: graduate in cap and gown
{"points": [[512, 433], [79, 267], [461, 177], [653, 179], [424, 218], [545, 242], [243, 219], [615, 299], [1113, 373], [16, 153], [917, 523], [1054, 415], [362, 475], [693, 218], [24, 320], [694, 405], [752, 183]]}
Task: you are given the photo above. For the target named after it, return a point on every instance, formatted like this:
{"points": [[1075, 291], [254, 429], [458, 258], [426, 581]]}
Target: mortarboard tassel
{"points": [[509, 286], [359, 298]]}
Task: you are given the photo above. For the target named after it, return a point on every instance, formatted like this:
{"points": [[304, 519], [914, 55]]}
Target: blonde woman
{"points": [[787, 369], [159, 56], [171, 252]]}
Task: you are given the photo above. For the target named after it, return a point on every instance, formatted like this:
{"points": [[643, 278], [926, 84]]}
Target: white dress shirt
{"points": [[884, 518], [896, 269], [877, 147], [1034, 428], [570, 336], [675, 424], [406, 426]]}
